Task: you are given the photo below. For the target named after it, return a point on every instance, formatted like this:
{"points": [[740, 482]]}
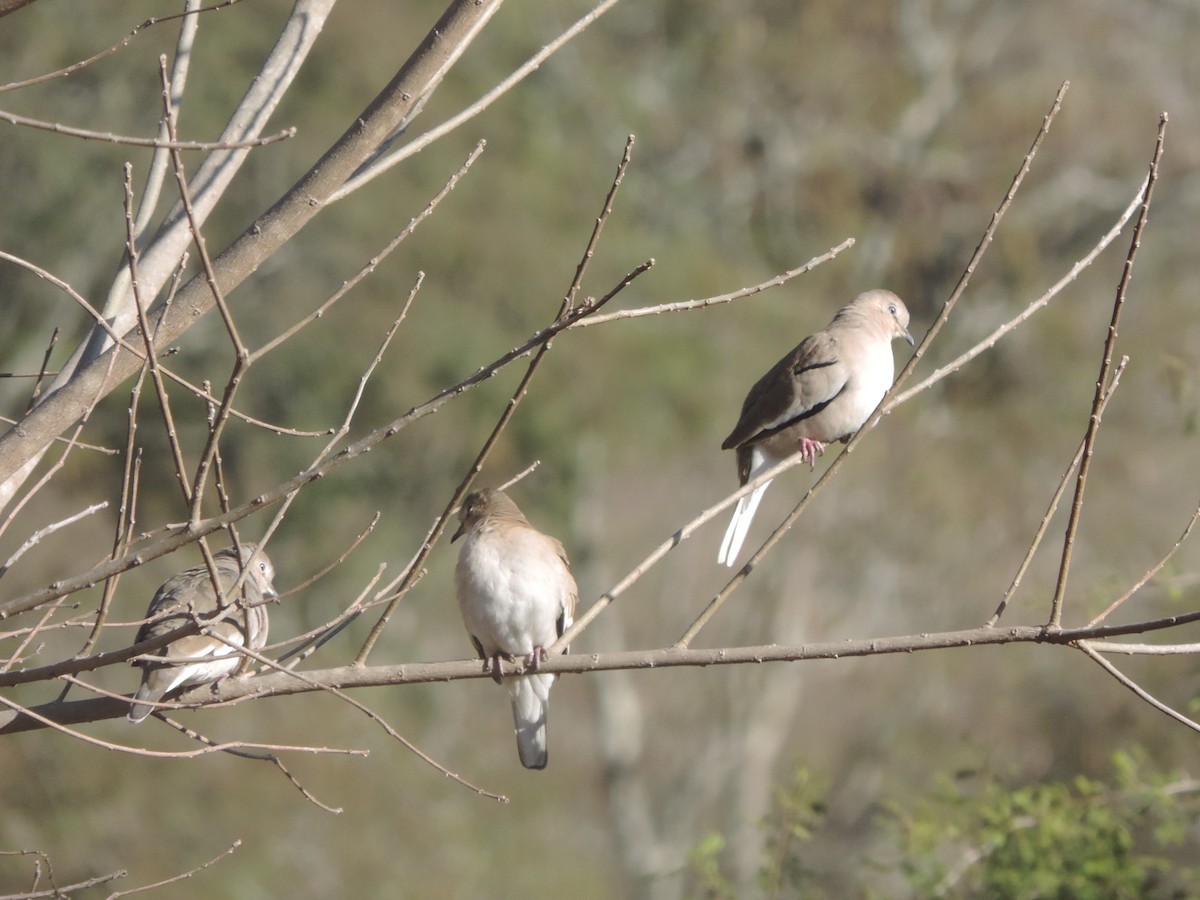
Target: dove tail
{"points": [[530, 702], [739, 525], [140, 711]]}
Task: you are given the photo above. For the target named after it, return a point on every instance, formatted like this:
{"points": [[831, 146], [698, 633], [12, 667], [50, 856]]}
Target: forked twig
{"points": [[1053, 507], [1110, 341], [260, 757], [1087, 647]]}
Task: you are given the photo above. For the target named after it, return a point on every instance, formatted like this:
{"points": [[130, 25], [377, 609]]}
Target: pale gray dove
{"points": [[201, 658], [823, 391], [517, 595]]}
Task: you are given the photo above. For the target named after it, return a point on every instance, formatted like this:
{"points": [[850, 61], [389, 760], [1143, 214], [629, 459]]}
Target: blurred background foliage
{"points": [[766, 133]]}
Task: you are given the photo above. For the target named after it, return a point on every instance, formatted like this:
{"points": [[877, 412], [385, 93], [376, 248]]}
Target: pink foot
{"points": [[493, 663], [810, 450], [536, 658]]}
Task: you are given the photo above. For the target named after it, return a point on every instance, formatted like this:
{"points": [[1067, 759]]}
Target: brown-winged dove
{"points": [[517, 595], [189, 596], [823, 391]]}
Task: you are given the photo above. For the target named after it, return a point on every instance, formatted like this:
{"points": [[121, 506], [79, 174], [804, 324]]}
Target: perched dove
{"points": [[516, 595], [201, 658], [821, 392]]}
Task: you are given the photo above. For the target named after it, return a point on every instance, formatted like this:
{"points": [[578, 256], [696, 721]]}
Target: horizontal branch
{"points": [[129, 140], [286, 683]]}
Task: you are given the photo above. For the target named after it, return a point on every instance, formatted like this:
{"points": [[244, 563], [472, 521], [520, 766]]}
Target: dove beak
{"points": [[462, 528]]}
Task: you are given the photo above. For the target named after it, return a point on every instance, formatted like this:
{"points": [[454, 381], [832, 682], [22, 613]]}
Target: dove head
{"points": [[483, 504], [883, 309], [262, 572]]}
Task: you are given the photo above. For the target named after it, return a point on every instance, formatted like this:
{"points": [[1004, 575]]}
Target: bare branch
{"points": [[376, 166], [1106, 362], [283, 683], [1154, 570], [109, 137], [188, 874], [1053, 507], [684, 305], [1086, 647], [37, 536], [96, 57]]}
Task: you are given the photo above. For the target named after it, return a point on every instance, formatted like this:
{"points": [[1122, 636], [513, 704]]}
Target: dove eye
{"points": [[892, 308]]}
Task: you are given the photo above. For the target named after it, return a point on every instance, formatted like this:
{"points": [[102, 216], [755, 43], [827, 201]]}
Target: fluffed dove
{"points": [[823, 391], [201, 658], [517, 595]]}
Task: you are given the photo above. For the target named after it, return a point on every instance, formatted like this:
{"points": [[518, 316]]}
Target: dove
{"points": [[516, 595], [201, 658], [821, 392]]}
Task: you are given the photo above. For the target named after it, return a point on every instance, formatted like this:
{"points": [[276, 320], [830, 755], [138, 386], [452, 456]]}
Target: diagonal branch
{"points": [[417, 77]]}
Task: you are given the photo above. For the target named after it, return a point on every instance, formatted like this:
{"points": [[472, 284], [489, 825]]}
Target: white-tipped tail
{"points": [[743, 515], [530, 703]]}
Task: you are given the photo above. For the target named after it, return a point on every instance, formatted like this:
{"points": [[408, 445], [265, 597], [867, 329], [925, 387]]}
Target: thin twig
{"points": [[37, 536], [376, 165], [605, 211], [313, 640], [1154, 570], [1106, 362], [130, 141], [97, 317], [337, 561], [156, 175], [1086, 647], [258, 757], [96, 57], [127, 511], [1044, 526], [61, 461], [39, 627], [1144, 649], [67, 889], [42, 371], [220, 856], [684, 305], [241, 353], [161, 754], [148, 334], [375, 260]]}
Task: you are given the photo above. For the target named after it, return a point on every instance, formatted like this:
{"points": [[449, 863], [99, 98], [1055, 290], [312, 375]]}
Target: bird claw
{"points": [[496, 667], [810, 450], [535, 659]]}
